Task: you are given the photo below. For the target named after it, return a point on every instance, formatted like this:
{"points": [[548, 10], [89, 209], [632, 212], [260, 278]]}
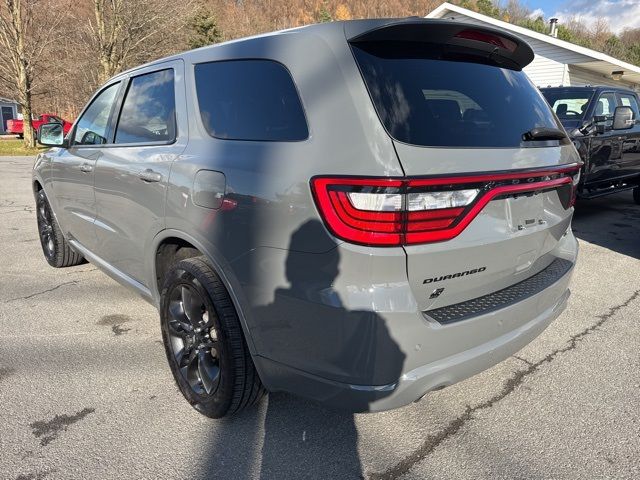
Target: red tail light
{"points": [[392, 212]]}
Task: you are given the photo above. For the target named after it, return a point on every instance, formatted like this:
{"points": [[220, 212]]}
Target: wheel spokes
{"points": [[208, 370], [192, 305], [190, 353]]}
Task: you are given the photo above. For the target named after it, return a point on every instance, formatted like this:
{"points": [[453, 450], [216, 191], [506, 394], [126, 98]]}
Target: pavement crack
{"points": [[26, 297], [433, 441], [49, 430], [522, 359]]}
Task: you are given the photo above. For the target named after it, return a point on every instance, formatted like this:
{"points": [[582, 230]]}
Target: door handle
{"points": [[149, 175], [86, 168]]}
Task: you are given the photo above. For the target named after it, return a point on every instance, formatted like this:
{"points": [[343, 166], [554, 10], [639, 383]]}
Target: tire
{"points": [[204, 342], [636, 195], [57, 251]]}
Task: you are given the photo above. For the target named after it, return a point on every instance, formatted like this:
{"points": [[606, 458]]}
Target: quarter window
{"points": [[94, 123], [249, 100], [148, 111]]}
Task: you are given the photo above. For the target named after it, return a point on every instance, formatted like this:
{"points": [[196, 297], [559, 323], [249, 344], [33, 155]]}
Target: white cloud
{"points": [[538, 12], [620, 14]]}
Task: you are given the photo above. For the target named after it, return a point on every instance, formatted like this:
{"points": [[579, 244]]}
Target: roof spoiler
{"points": [[497, 46]]}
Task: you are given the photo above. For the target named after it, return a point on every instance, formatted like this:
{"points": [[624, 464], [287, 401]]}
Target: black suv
{"points": [[604, 124]]}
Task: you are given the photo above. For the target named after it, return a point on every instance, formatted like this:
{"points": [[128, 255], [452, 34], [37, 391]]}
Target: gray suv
{"points": [[354, 212]]}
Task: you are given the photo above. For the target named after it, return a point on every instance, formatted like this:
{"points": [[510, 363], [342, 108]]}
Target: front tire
{"points": [[204, 342], [57, 251]]}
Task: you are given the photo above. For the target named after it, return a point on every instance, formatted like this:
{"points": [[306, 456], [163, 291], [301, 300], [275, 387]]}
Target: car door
{"points": [[73, 169], [631, 137], [606, 147], [132, 173]]}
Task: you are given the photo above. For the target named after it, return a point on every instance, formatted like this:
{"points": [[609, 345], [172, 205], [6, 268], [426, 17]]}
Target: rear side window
{"points": [[425, 101], [250, 100], [149, 110]]}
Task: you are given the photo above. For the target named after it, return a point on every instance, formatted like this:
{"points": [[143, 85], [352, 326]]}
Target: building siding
{"points": [[579, 76], [13, 106]]}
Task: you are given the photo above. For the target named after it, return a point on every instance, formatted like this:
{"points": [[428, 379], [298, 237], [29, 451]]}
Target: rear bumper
{"points": [[435, 355]]}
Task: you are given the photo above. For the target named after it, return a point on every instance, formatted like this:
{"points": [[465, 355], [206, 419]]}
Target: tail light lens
{"points": [[392, 212]]}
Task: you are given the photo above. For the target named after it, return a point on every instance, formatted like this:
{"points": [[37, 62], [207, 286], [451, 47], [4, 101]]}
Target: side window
{"points": [[149, 110], [628, 100], [94, 123], [250, 100], [606, 104]]}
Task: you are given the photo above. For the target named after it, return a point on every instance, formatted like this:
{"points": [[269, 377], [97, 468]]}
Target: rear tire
{"points": [[204, 342], [57, 251], [636, 195]]}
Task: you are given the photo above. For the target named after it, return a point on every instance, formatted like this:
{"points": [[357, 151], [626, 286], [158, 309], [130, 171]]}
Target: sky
{"points": [[619, 13]]}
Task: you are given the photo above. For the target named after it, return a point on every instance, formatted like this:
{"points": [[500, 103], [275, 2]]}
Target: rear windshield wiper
{"points": [[544, 133]]}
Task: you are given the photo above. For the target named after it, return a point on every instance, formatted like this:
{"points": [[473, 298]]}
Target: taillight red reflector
{"points": [[435, 214], [485, 37], [393, 212]]}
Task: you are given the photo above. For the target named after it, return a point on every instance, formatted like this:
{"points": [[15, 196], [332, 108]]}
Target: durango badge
{"points": [[454, 275]]}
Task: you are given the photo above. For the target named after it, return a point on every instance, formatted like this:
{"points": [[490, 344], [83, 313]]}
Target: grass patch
{"points": [[16, 147]]}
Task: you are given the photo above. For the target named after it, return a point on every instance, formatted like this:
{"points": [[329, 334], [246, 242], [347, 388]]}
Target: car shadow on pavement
{"points": [[612, 222]]}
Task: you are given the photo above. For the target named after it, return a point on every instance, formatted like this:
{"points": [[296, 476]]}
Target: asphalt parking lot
{"points": [[85, 391]]}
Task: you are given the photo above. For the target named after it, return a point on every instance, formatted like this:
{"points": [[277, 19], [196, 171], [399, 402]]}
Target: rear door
{"points": [[73, 169], [630, 138], [460, 124], [132, 173]]}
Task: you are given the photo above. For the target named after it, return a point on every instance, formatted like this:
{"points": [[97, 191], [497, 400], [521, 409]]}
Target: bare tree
{"points": [[22, 47], [126, 32]]}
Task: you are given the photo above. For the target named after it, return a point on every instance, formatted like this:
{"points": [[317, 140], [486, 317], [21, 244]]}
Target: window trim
{"points": [[229, 60], [116, 121], [116, 104]]}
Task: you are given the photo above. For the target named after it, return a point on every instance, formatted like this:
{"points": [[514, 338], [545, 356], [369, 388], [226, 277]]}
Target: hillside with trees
{"points": [[55, 53]]}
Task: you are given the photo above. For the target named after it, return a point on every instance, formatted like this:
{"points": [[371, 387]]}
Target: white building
{"points": [[556, 62], [8, 110]]}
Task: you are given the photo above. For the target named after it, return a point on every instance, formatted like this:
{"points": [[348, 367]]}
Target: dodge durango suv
{"points": [[356, 212]]}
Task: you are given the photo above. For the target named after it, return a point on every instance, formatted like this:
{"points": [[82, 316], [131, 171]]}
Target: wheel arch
{"points": [[196, 247]]}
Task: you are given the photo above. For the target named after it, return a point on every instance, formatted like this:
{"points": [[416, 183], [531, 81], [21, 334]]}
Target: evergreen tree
{"points": [[324, 15], [204, 29]]}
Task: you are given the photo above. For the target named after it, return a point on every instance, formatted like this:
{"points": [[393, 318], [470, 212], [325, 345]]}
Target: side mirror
{"points": [[92, 138], [601, 123], [623, 118], [51, 135]]}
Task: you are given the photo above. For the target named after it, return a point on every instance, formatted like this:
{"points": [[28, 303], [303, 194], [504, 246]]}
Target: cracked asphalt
{"points": [[85, 391]]}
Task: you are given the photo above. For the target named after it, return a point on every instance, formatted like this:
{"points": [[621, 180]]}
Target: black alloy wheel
{"points": [[45, 227], [204, 341], [56, 249], [193, 337]]}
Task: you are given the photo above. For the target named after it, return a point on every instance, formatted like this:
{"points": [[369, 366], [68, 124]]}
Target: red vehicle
{"points": [[16, 126]]}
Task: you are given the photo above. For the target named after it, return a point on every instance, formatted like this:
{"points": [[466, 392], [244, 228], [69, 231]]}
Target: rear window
{"points": [[568, 104], [425, 101], [249, 100]]}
